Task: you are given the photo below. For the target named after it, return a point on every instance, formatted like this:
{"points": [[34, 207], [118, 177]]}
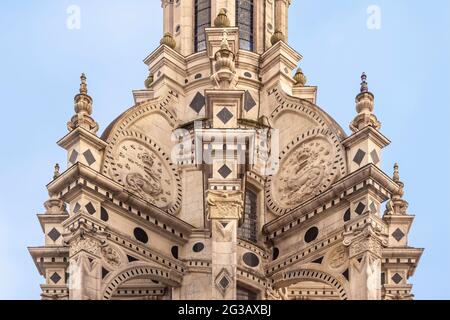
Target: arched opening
{"points": [[202, 13], [244, 20], [249, 227]]}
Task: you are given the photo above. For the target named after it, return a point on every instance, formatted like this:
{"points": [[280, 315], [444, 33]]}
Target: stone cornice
{"points": [[369, 172], [367, 133], [70, 138], [62, 185]]}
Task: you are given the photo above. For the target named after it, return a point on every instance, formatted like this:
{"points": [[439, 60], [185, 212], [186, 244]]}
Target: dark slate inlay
{"points": [[55, 278], [224, 283], [383, 278], [247, 74], [104, 273], [225, 115], [398, 234], [89, 157], [375, 157], [198, 102], [360, 208], [225, 171], [132, 259], [90, 208], [311, 234], [140, 235], [318, 261], [397, 278], [174, 252], [251, 259], [198, 247], [276, 253], [373, 208], [347, 215], [54, 234], [77, 208], [359, 157], [104, 215], [73, 157], [250, 103], [346, 275]]}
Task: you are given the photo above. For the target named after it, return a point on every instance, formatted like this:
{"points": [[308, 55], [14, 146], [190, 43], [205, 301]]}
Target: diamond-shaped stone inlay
{"points": [[54, 234], [347, 216], [373, 208], [225, 171], [360, 208], [55, 278], [397, 278], [224, 283], [225, 115], [359, 157], [375, 157], [198, 102], [90, 208], [398, 234], [77, 208], [73, 156], [250, 103], [89, 157]]}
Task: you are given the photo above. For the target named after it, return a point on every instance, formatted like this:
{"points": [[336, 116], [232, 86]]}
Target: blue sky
{"points": [[407, 61]]}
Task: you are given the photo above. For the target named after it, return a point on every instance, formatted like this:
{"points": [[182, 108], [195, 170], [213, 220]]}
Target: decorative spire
{"points": [[56, 173], [169, 41], [365, 106], [222, 20], [300, 78], [83, 110]]}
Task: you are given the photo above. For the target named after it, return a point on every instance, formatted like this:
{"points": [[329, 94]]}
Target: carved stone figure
{"points": [[111, 256]]}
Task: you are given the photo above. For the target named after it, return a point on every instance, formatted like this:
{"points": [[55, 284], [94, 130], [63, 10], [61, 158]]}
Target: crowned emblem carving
{"points": [[143, 172], [308, 169], [111, 255]]}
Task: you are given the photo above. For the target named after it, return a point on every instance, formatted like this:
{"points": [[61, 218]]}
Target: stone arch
{"points": [[118, 278], [309, 274]]}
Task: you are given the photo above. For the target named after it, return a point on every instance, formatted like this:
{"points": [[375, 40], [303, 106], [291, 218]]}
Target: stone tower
{"points": [[225, 180]]}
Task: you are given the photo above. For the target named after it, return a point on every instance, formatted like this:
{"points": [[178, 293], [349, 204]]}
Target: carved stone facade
{"points": [[225, 180]]}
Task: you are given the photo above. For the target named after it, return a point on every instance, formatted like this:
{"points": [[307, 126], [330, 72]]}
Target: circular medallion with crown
{"points": [[143, 169], [309, 165]]}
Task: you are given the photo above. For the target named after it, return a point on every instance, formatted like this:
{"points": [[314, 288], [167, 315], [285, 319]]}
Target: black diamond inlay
{"points": [[132, 259], [90, 208], [89, 157], [224, 283], [398, 234], [347, 215], [397, 278], [73, 157], [250, 103], [360, 208], [104, 273], [225, 115], [375, 157], [198, 102], [318, 261], [359, 157], [77, 208], [54, 234], [346, 274], [55, 278], [225, 171], [104, 214]]}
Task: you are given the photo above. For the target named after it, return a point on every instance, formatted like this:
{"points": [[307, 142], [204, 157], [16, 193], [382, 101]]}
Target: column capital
{"points": [[225, 205]]}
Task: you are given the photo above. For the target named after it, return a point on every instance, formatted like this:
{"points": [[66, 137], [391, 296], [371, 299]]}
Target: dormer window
{"points": [[202, 21], [244, 20]]}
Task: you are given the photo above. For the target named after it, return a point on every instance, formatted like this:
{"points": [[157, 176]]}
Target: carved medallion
{"points": [[111, 256], [338, 258], [313, 162]]}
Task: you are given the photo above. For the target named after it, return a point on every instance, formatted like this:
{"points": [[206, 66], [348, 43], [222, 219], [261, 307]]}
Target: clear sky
{"points": [[407, 61]]}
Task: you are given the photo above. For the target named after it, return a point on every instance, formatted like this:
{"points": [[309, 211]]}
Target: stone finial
{"points": [[277, 37], [169, 41], [83, 110], [225, 75], [222, 20], [397, 205], [365, 102], [148, 82], [300, 78], [396, 176], [56, 173]]}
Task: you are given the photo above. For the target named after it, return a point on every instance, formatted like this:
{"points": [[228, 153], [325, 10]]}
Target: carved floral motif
{"points": [[225, 205]]}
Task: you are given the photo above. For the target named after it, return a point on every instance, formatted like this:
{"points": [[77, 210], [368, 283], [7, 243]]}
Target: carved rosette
{"points": [[311, 164], [140, 165]]}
